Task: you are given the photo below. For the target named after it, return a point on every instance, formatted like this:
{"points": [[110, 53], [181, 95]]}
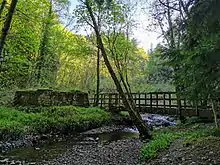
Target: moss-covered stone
{"points": [[48, 97]]}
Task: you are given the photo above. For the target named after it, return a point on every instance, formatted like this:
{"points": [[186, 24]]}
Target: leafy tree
{"points": [[158, 73], [112, 9], [198, 60]]}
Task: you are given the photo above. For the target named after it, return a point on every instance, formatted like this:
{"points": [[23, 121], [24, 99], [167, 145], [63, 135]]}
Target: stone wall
{"points": [[47, 97]]}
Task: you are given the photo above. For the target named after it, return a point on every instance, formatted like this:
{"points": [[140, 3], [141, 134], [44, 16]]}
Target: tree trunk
{"points": [[98, 78], [214, 113], [172, 42], [2, 7], [6, 28], [143, 129], [43, 45], [126, 62]]}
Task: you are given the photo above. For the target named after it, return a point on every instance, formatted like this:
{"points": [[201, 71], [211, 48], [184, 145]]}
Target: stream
{"points": [[52, 149]]}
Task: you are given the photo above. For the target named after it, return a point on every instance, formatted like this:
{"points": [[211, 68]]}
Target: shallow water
{"points": [[50, 149]]}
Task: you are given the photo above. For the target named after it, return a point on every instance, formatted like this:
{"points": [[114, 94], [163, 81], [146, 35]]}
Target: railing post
{"points": [[170, 101], [104, 104], [139, 101], [145, 99], [179, 106], [195, 105], [117, 103], [164, 103], [109, 101], [151, 102], [184, 104], [94, 100], [101, 99], [156, 100]]}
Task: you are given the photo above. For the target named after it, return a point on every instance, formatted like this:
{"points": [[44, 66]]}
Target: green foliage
{"points": [[156, 74], [69, 60], [196, 62], [65, 119], [158, 71], [160, 142], [198, 136]]}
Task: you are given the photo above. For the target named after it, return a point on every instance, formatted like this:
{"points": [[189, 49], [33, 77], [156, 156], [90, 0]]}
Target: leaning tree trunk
{"points": [[98, 78], [143, 129], [6, 27]]}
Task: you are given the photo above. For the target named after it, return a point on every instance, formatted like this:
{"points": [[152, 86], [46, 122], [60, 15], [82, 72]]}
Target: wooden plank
{"points": [[154, 106], [106, 93], [161, 99], [159, 92]]}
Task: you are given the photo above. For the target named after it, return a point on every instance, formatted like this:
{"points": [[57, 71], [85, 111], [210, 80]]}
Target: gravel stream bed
{"points": [[107, 145], [101, 152], [122, 152]]}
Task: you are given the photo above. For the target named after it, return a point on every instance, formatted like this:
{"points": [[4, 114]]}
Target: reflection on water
{"points": [[51, 149]]}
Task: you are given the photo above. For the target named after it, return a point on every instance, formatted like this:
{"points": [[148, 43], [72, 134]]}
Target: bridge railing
{"points": [[155, 102]]}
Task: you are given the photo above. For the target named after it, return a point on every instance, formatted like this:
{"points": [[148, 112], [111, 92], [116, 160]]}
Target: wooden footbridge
{"points": [[158, 103]]}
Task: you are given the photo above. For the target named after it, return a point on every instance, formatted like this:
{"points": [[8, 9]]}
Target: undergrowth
{"points": [[64, 119]]}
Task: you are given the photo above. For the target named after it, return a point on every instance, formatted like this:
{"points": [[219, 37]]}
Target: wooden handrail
{"points": [[167, 101]]}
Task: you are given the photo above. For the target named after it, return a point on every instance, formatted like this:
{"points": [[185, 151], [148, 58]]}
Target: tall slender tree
{"points": [[6, 28], [44, 42], [143, 128]]}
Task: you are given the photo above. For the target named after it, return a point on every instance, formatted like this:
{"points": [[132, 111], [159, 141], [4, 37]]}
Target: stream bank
{"points": [[93, 146], [114, 144], [19, 128]]}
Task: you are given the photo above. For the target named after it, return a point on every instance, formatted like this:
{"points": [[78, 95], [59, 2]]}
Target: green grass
{"points": [[163, 138], [160, 142], [64, 119]]}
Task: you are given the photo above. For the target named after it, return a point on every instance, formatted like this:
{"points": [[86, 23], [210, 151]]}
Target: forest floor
{"points": [[206, 152], [196, 144]]}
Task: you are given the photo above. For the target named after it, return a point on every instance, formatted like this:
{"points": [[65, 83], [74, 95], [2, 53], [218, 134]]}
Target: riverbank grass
{"points": [[190, 135], [66, 119]]}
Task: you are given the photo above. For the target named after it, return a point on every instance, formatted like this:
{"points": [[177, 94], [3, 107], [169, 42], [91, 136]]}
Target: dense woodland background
{"points": [[44, 50]]}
